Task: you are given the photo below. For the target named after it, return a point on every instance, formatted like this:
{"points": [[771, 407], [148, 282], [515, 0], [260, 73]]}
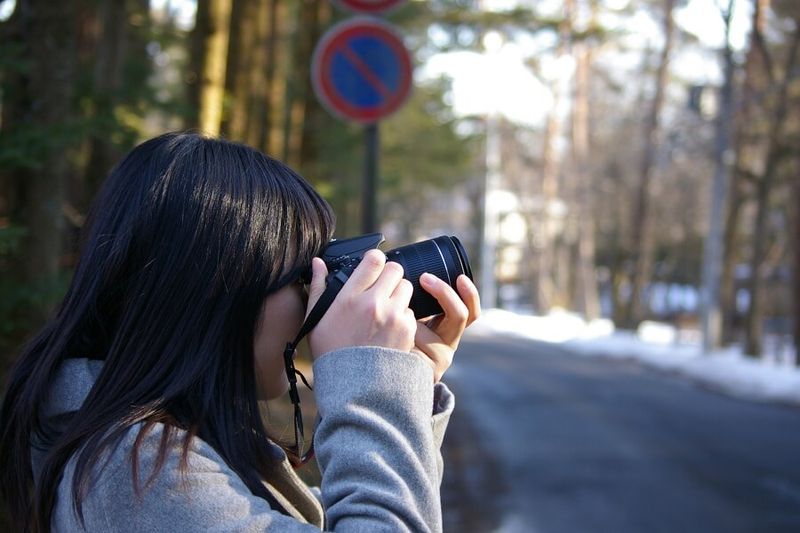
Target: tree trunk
{"points": [[796, 271], [292, 40], [712, 253], [15, 104], [640, 224], [196, 61], [752, 85], [755, 313], [257, 76], [298, 82], [621, 274], [314, 117], [242, 56], [111, 48], [48, 30], [730, 243], [545, 291], [588, 302], [265, 127], [214, 45]]}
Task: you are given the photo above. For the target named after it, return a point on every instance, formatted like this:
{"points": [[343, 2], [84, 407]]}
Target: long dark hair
{"points": [[185, 240]]}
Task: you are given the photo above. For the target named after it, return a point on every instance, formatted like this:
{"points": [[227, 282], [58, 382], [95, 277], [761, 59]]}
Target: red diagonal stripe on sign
{"points": [[365, 71]]}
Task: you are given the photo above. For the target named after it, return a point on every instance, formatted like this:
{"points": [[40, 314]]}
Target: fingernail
{"points": [[428, 279]]}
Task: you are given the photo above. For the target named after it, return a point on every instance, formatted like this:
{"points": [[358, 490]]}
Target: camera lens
{"points": [[444, 257]]}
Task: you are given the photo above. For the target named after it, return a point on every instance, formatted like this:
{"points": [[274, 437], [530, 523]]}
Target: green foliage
{"points": [[12, 58], [10, 239], [18, 300], [421, 155], [420, 149], [26, 147]]}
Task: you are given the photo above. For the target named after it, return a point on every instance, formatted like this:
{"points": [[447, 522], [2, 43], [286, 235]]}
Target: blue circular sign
{"points": [[361, 70]]}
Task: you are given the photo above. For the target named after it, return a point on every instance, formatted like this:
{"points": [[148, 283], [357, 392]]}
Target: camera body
{"points": [[345, 254], [442, 256]]}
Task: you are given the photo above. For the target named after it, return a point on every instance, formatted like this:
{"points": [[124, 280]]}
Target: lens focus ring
{"points": [[422, 257]]}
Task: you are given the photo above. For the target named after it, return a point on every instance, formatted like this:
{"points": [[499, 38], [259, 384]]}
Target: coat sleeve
{"points": [[377, 445], [443, 405]]}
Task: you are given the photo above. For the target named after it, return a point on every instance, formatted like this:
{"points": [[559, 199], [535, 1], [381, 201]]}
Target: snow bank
{"points": [[772, 378]]}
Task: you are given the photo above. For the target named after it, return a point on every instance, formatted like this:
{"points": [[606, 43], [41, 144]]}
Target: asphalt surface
{"points": [[548, 442]]}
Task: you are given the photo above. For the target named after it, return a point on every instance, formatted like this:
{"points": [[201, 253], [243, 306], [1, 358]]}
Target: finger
{"points": [[469, 295], [412, 320], [439, 352], [433, 321], [318, 272], [402, 294], [387, 282], [455, 311], [366, 272], [425, 357]]}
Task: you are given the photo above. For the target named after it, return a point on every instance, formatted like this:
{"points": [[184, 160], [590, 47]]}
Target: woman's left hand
{"points": [[437, 338]]}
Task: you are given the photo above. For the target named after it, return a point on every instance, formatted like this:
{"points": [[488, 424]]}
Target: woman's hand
{"points": [[371, 309], [437, 338]]}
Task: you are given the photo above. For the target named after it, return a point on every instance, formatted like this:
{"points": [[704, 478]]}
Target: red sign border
{"points": [[365, 6], [322, 80]]}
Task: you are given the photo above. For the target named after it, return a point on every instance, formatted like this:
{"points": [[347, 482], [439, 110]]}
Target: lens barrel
{"points": [[443, 257]]}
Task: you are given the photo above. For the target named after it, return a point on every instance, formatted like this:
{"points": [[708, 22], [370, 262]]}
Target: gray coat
{"points": [[377, 445]]}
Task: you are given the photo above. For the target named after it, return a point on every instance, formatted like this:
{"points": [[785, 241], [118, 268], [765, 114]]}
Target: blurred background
{"points": [[624, 174]]}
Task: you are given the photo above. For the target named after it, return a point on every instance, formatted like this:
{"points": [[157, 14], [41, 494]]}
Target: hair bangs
{"points": [[305, 220]]}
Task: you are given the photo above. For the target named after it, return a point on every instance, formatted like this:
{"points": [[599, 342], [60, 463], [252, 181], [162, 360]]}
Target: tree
{"points": [[796, 269], [642, 245], [243, 56], [754, 84], [712, 259], [211, 35], [36, 137], [117, 65], [549, 289], [586, 283], [773, 154]]}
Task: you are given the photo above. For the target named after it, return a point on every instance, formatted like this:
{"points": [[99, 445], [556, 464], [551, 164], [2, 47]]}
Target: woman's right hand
{"points": [[370, 310]]}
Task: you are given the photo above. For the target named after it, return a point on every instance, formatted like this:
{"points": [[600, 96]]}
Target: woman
{"points": [[136, 408]]}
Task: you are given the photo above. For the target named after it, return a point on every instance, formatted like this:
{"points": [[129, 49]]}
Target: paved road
{"points": [[546, 442]]}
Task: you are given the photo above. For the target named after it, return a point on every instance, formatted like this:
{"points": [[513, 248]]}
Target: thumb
{"points": [[317, 287]]}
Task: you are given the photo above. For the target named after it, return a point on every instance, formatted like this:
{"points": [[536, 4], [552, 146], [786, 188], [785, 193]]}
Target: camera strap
{"points": [[334, 283]]}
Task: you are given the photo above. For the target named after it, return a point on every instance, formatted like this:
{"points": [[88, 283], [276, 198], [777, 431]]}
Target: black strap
{"points": [[334, 282]]}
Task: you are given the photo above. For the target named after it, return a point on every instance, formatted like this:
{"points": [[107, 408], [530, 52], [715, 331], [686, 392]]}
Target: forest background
{"points": [[606, 197]]}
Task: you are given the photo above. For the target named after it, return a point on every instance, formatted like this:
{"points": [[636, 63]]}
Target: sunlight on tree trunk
{"points": [[212, 72]]}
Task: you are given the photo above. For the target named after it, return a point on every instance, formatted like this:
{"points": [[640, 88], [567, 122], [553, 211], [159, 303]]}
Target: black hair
{"points": [[185, 240]]}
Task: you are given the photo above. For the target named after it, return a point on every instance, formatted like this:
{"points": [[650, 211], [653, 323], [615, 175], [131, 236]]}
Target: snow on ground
{"points": [[772, 378]]}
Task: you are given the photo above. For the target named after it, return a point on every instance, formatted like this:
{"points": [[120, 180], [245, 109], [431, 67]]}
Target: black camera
{"points": [[443, 257]]}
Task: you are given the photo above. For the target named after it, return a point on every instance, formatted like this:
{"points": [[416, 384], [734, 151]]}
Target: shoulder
{"points": [[207, 495]]}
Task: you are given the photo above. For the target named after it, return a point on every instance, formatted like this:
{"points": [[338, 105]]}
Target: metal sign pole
{"points": [[369, 186], [361, 71]]}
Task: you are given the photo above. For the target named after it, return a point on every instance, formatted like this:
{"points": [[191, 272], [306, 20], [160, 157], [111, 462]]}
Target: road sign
{"points": [[361, 70], [369, 6]]}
